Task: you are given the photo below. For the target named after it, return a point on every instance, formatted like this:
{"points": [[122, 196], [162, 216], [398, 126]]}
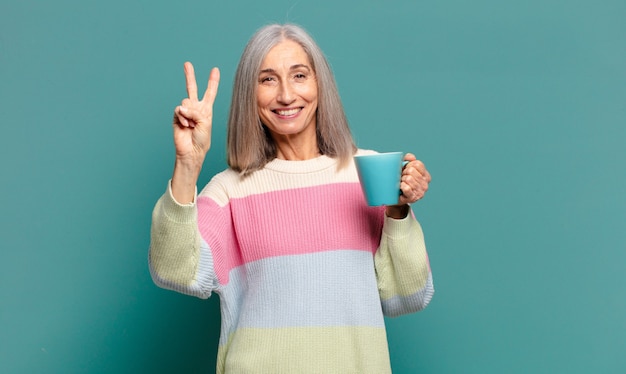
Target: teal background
{"points": [[517, 108]]}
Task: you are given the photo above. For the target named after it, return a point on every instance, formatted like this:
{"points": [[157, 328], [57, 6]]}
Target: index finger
{"points": [[409, 157], [190, 77], [211, 90]]}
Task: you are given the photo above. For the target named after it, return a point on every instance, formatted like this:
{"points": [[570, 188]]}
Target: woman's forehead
{"points": [[286, 55]]}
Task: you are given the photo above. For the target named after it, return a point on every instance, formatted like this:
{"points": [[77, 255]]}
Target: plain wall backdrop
{"points": [[518, 110]]}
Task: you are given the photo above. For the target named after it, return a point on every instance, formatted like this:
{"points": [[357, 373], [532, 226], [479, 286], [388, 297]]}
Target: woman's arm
{"points": [[402, 268], [177, 258]]}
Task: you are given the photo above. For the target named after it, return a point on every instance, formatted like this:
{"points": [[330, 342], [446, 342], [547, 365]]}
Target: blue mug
{"points": [[379, 175]]}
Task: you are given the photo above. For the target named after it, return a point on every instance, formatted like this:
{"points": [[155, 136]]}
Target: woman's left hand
{"points": [[414, 180], [413, 185]]}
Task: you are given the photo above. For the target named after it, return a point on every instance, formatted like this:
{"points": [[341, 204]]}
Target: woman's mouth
{"points": [[287, 112]]}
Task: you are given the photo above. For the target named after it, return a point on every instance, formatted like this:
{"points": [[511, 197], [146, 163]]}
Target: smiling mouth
{"points": [[287, 112]]}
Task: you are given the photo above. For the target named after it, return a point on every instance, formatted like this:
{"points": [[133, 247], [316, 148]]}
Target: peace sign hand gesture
{"points": [[192, 124], [193, 118]]}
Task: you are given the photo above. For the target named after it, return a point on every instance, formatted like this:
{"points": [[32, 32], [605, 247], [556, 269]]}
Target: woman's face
{"points": [[287, 92]]}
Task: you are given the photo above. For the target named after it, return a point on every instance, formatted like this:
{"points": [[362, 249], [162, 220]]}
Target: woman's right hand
{"points": [[192, 124], [193, 119]]}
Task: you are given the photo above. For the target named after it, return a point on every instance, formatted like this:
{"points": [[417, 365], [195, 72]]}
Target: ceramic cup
{"points": [[379, 175]]}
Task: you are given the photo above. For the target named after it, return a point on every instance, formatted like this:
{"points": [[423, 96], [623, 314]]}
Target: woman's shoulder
{"points": [[226, 176], [230, 183], [220, 184]]}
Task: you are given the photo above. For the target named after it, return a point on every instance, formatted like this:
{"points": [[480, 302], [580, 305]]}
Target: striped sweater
{"points": [[304, 269]]}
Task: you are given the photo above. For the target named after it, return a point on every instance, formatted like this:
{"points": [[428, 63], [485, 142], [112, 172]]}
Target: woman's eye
{"points": [[267, 79]]}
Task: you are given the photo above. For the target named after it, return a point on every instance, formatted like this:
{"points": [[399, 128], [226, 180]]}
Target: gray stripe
{"points": [[334, 288]]}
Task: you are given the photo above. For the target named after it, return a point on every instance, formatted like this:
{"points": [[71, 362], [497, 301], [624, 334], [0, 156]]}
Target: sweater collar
{"points": [[305, 166]]}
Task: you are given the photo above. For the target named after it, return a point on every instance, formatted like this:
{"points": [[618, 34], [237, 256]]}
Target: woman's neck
{"points": [[297, 149]]}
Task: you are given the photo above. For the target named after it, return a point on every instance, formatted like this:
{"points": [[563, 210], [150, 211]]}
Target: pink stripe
{"points": [[289, 222], [216, 229]]}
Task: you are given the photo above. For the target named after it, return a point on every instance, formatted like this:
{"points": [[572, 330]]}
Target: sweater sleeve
{"points": [[179, 260], [402, 269]]}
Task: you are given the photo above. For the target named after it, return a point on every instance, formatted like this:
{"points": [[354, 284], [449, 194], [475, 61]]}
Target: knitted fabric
{"points": [[304, 269]]}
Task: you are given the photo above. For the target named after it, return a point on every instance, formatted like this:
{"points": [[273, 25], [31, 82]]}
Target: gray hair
{"points": [[250, 145]]}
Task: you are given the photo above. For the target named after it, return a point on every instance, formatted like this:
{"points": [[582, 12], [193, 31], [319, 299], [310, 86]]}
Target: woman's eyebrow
{"points": [[293, 67], [300, 66]]}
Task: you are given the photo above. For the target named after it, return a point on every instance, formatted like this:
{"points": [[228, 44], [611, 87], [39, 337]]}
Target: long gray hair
{"points": [[250, 145]]}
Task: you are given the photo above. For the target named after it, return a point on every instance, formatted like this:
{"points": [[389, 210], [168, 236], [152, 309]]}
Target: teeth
{"points": [[289, 112]]}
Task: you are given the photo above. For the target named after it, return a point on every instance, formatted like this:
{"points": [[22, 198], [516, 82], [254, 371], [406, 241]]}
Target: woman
{"points": [[305, 270]]}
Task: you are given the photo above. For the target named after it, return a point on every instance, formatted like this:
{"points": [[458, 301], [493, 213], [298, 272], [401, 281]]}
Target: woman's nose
{"points": [[286, 94]]}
